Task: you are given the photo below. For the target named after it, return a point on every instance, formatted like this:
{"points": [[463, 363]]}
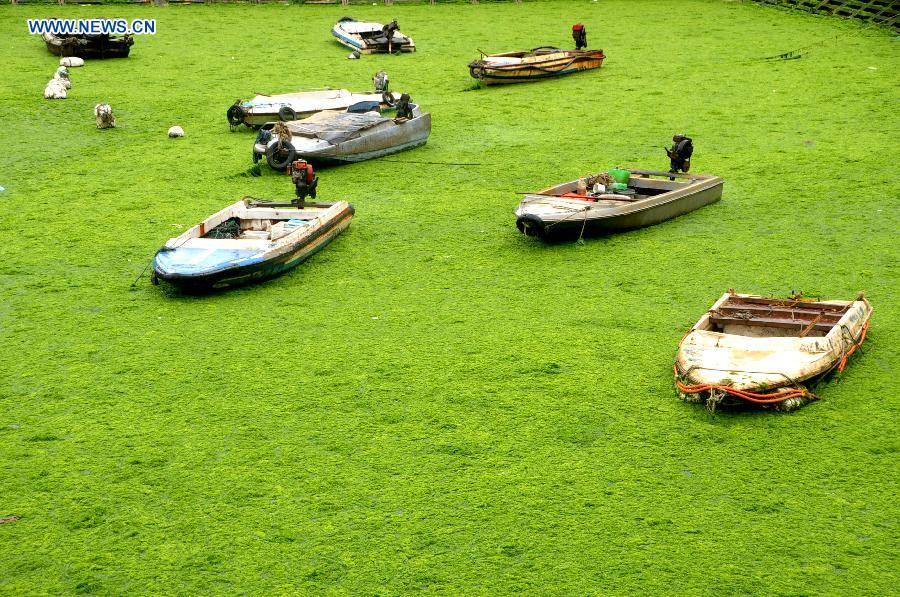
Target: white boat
{"points": [[371, 38], [342, 137], [302, 104], [761, 350]]}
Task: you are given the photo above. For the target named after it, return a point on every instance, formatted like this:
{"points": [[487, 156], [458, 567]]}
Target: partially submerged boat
{"points": [[89, 46], [539, 63], [648, 197], [247, 241], [337, 137], [371, 38], [302, 104], [766, 351]]}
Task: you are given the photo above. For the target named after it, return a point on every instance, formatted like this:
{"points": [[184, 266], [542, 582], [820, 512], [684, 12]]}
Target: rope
{"points": [[756, 397], [853, 348]]}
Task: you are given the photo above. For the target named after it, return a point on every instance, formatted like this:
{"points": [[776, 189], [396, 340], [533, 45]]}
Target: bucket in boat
{"points": [[620, 175]]}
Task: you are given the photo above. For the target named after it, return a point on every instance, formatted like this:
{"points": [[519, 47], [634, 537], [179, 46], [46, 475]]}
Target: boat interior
{"points": [[244, 226], [767, 317], [642, 184]]}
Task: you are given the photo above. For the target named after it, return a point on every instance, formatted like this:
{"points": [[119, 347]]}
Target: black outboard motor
{"points": [[680, 153], [404, 109], [579, 34], [236, 113], [389, 29]]}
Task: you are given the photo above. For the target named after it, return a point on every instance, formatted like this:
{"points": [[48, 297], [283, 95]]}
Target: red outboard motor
{"points": [[579, 34], [305, 179]]}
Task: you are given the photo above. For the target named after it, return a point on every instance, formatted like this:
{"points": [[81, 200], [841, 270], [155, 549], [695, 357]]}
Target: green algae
{"points": [[435, 402]]}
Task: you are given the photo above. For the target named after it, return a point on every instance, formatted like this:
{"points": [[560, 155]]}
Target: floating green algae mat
{"points": [[436, 403]]}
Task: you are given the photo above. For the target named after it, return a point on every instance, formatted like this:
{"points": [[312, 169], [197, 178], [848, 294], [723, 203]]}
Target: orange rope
{"points": [[853, 348], [770, 398]]}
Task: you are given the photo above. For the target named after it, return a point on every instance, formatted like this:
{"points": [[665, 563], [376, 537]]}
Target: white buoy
{"points": [[71, 61], [176, 131]]}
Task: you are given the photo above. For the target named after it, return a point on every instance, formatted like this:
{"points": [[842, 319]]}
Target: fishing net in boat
{"points": [[230, 228]]}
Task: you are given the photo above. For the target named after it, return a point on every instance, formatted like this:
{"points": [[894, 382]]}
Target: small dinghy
{"points": [[247, 241], [371, 38], [338, 137], [293, 106], [539, 63], [764, 351], [585, 206], [89, 46]]}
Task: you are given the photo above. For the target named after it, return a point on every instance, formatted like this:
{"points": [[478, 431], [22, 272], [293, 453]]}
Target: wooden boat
{"points": [[338, 137], [765, 351], [539, 63], [247, 241], [370, 38], [650, 197], [293, 106], [89, 46]]}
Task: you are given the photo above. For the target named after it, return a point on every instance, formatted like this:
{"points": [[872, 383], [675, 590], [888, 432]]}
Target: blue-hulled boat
{"points": [[371, 38], [248, 241]]}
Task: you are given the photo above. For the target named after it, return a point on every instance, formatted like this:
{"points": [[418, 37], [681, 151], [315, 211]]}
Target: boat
{"points": [[766, 351], [539, 63], [302, 104], [247, 241], [89, 46], [340, 137], [371, 38], [648, 197]]}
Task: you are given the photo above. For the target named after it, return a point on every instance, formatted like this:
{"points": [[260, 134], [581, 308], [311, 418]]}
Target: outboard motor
{"points": [[236, 113], [389, 29], [579, 34], [381, 81], [404, 109], [680, 153], [305, 180]]}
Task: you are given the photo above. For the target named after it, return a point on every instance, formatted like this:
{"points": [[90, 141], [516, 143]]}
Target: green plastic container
{"points": [[619, 186], [620, 175]]}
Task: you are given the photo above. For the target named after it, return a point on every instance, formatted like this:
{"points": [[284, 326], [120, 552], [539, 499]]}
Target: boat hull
{"points": [[411, 134], [89, 47], [264, 109], [253, 271], [502, 74], [590, 222]]}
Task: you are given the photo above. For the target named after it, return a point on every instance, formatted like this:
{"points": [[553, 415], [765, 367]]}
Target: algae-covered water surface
{"points": [[435, 402]]}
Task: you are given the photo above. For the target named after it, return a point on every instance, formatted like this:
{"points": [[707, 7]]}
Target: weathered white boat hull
{"points": [[748, 357]]}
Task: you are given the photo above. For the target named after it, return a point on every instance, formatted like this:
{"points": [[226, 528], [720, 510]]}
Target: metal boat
{"points": [[342, 137], [650, 197], [302, 104]]}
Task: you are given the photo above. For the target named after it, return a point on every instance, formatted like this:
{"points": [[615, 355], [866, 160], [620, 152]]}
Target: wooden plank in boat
{"points": [[769, 323], [786, 312], [787, 303]]}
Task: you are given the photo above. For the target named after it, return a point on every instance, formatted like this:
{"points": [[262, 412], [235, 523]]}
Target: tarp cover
{"points": [[336, 127]]}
